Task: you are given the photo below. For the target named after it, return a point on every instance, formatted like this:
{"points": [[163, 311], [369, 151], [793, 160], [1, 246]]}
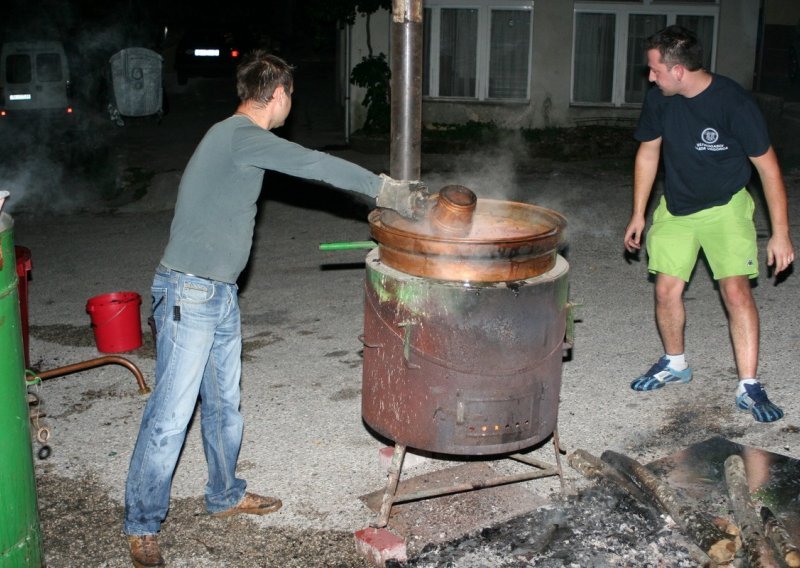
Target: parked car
{"points": [[210, 53], [34, 79]]}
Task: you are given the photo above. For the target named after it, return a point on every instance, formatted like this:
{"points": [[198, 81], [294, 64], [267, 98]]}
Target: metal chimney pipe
{"points": [[406, 89]]}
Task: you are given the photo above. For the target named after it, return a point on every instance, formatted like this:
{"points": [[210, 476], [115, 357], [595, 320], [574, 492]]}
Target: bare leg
{"points": [[743, 323], [670, 312]]}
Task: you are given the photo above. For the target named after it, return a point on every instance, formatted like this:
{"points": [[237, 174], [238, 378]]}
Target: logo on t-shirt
{"points": [[709, 138]]}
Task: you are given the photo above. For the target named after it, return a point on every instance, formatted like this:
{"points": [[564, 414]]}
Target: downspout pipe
{"points": [[347, 87], [406, 90]]}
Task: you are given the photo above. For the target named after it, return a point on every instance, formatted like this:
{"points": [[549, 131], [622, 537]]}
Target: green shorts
{"points": [[726, 234]]}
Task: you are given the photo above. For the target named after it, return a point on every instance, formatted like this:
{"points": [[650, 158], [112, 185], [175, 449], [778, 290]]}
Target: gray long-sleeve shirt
{"points": [[212, 229]]}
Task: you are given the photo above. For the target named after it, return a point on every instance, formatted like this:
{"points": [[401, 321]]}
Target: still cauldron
{"points": [[469, 364]]}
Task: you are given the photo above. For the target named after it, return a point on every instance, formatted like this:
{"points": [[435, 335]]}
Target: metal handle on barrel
{"points": [[408, 326], [362, 338], [569, 333]]}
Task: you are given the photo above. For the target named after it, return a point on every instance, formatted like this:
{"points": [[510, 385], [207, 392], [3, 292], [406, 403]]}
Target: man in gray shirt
{"points": [[195, 303]]}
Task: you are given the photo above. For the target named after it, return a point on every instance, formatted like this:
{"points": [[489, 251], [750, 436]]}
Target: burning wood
{"points": [[719, 546], [763, 542], [780, 538], [759, 551], [592, 466], [715, 545]]}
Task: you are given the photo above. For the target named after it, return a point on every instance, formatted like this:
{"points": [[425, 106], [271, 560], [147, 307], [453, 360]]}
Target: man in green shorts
{"points": [[709, 131]]}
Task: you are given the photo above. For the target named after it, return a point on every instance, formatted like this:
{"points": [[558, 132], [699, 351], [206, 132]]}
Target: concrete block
{"points": [[377, 546]]}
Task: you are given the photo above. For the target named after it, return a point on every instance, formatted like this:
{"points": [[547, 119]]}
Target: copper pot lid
{"points": [[469, 239]]}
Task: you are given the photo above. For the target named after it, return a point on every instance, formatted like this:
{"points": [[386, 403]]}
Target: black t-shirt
{"points": [[706, 142]]}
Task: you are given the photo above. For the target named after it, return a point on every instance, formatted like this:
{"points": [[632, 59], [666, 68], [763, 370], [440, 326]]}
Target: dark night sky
{"points": [[64, 19], [93, 30]]}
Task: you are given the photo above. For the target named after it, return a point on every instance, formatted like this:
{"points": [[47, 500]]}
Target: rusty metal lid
{"points": [[504, 241]]}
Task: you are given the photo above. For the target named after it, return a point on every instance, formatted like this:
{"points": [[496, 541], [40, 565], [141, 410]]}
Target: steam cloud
{"points": [[506, 171]]}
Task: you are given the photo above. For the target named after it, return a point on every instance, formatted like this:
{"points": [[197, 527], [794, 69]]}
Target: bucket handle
{"points": [[112, 318]]}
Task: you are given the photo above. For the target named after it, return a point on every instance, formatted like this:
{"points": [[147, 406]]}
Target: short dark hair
{"points": [[677, 45], [259, 74]]}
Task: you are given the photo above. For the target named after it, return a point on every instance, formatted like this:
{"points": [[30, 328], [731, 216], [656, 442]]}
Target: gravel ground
{"points": [[302, 315]]}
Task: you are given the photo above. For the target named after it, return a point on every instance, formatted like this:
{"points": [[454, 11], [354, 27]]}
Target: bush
{"points": [[374, 75]]}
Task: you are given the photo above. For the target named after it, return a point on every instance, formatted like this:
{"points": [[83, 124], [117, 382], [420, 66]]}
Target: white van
{"points": [[34, 76]]}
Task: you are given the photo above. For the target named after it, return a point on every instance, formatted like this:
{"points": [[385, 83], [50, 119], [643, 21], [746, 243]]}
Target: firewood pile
{"points": [[715, 503], [644, 517], [755, 537]]}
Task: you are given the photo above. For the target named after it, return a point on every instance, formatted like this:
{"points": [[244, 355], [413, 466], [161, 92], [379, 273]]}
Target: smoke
{"points": [[27, 186], [490, 172], [506, 170], [44, 173]]}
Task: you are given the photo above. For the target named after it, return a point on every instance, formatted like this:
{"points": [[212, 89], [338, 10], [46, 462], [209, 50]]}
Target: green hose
{"points": [[351, 245]]}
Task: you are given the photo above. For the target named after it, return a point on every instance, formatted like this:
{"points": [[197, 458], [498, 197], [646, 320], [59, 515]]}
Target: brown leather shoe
{"points": [[144, 551], [252, 504]]}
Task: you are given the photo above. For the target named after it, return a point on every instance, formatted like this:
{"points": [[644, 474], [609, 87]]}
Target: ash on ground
{"points": [[598, 527]]}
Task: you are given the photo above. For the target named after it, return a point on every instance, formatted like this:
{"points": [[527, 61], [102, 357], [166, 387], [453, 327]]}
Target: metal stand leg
{"points": [[390, 497], [557, 448], [391, 486]]}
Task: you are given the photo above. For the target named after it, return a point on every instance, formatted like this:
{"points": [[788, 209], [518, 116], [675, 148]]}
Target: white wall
{"points": [[736, 45], [379, 26]]}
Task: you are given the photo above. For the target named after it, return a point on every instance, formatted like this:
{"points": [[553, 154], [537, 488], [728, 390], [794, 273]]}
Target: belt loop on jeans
{"points": [[167, 269]]}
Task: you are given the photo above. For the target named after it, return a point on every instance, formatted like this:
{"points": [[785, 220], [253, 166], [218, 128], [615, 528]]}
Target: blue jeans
{"points": [[199, 348]]}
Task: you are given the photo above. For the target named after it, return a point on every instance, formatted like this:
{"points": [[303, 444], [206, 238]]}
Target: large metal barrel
{"points": [[460, 368], [20, 536]]}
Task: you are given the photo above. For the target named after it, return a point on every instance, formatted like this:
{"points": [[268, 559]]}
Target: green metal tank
{"points": [[20, 536]]}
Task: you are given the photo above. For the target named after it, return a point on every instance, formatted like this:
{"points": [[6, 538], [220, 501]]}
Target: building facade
{"points": [[551, 63]]}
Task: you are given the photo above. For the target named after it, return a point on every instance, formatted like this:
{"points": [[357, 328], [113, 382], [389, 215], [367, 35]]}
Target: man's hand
{"points": [[633, 234], [780, 253], [408, 198]]}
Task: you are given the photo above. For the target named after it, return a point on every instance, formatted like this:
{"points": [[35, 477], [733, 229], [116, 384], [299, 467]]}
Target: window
{"points": [[458, 52], [508, 55], [477, 51], [609, 65], [48, 67], [18, 69]]}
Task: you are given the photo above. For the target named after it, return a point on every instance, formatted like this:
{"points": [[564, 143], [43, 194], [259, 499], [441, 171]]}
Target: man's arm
{"points": [[644, 175], [780, 252]]}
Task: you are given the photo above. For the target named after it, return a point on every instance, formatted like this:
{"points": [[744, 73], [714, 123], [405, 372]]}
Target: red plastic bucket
{"points": [[116, 321]]}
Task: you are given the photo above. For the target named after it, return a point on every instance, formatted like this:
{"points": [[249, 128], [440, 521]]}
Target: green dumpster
{"points": [[20, 536]]}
